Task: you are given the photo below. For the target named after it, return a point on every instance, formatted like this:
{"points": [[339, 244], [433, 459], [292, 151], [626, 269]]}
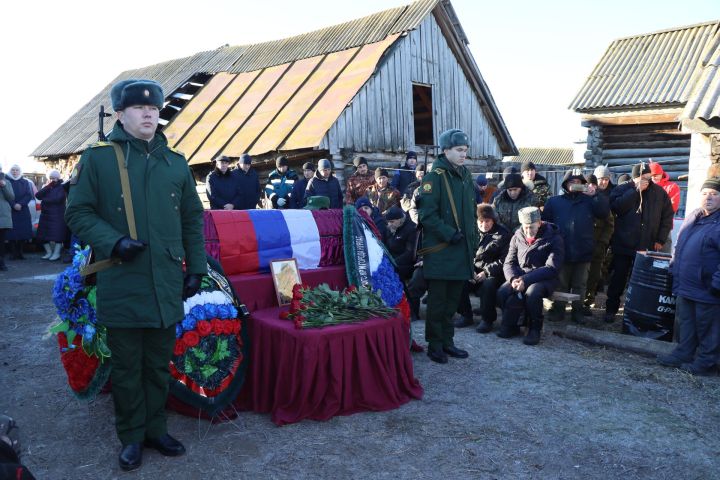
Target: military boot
{"points": [[577, 313], [533, 335]]}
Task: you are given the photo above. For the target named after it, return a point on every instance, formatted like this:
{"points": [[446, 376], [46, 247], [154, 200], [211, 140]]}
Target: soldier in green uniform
{"points": [[140, 299], [448, 216]]}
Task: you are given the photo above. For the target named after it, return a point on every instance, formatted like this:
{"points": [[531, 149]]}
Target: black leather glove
{"points": [[191, 285], [457, 237], [127, 249]]}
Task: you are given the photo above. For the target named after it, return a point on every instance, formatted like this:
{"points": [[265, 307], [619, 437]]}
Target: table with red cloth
{"points": [[318, 373]]}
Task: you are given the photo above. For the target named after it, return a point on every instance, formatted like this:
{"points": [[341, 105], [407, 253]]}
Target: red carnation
{"points": [[351, 288], [191, 338], [296, 290], [236, 327], [179, 348], [227, 327], [299, 319], [294, 306], [217, 326], [284, 315], [204, 328]]}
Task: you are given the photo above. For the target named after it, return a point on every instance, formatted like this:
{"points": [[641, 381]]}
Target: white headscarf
{"points": [[15, 177], [54, 174]]}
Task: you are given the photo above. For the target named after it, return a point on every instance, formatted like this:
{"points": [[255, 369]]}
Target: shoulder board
{"points": [[439, 171], [176, 151], [100, 144]]}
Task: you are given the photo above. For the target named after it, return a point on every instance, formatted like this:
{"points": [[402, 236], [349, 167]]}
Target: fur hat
{"points": [[624, 178], [640, 169], [529, 215], [246, 159], [574, 174], [394, 213], [362, 202], [453, 138], [357, 161], [133, 91], [513, 180], [713, 183], [527, 165], [487, 212], [602, 171], [324, 163], [308, 166], [381, 172], [281, 161]]}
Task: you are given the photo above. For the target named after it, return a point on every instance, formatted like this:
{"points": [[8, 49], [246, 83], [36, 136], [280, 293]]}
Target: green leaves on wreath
{"points": [[221, 350]]}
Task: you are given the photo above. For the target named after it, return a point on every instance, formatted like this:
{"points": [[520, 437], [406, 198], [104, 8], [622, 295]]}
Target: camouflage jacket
{"points": [[357, 185], [384, 199]]}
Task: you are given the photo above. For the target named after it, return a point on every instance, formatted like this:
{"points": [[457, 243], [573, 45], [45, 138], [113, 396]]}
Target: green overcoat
{"points": [[146, 292], [453, 262]]}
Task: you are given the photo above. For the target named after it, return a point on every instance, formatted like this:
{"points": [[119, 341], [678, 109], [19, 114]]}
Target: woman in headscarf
{"points": [[22, 225], [52, 229]]}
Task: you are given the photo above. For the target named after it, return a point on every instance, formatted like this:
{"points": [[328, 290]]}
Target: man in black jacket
{"points": [[644, 218], [400, 239], [221, 186], [297, 198], [248, 184]]}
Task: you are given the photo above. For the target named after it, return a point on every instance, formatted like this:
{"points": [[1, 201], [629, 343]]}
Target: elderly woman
{"points": [[7, 197], [22, 224], [52, 230], [696, 284]]}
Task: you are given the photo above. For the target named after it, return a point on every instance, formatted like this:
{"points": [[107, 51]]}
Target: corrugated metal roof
{"points": [[544, 156], [704, 101], [649, 70]]}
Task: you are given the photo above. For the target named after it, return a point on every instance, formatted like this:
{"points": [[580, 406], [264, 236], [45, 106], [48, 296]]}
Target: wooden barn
{"points": [[632, 101], [377, 86]]}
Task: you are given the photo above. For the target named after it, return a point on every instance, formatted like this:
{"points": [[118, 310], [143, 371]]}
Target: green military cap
{"points": [[318, 202], [133, 91]]}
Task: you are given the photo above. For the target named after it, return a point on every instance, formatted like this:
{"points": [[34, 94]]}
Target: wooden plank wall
{"points": [[380, 117]]}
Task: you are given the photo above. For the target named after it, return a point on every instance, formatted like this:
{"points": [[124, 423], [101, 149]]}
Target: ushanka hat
{"points": [[130, 92], [453, 138], [485, 211], [529, 215]]}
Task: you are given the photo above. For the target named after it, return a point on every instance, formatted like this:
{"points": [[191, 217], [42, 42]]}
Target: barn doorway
{"points": [[423, 114]]}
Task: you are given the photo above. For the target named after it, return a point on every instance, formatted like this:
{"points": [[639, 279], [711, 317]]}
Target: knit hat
{"points": [[624, 178], [324, 163], [591, 179], [394, 213], [574, 174], [453, 138], [486, 211], [281, 161], [481, 180], [308, 166], [656, 168], [602, 171], [357, 161], [713, 183], [640, 169], [527, 166], [317, 202], [410, 154], [362, 202], [133, 91], [380, 172], [246, 159], [529, 215], [513, 180]]}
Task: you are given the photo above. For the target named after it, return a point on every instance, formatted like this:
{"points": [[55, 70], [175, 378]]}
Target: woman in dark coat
{"points": [[22, 224], [325, 184], [52, 229]]}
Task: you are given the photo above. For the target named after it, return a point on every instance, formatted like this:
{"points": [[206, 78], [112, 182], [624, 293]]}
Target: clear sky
{"points": [[534, 55]]}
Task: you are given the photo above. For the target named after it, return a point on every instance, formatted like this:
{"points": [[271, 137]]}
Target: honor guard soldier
{"points": [[447, 213], [146, 233]]}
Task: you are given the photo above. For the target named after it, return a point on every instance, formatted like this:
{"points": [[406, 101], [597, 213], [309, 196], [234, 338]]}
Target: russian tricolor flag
{"points": [[251, 239]]}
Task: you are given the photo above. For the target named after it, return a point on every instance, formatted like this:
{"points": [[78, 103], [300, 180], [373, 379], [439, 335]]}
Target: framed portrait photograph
{"points": [[285, 275]]}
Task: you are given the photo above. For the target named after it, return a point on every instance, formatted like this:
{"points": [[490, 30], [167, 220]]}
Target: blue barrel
{"points": [[649, 302]]}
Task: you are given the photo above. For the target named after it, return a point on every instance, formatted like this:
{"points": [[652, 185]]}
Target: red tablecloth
{"points": [[319, 373]]}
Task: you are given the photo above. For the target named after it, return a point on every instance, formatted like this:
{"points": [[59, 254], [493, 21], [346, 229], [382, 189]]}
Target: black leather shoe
{"points": [[455, 352], [166, 445], [131, 456], [437, 355], [508, 332], [609, 317], [462, 322], [532, 338], [484, 327]]}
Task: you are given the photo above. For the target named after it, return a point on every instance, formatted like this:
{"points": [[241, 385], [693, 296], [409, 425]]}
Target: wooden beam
{"points": [[590, 120], [628, 343]]}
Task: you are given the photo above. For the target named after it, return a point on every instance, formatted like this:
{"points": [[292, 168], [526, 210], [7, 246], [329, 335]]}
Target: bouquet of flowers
{"points": [[321, 306], [83, 342]]}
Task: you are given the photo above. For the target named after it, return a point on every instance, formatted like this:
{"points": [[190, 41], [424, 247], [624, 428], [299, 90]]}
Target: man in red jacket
{"points": [[662, 179]]}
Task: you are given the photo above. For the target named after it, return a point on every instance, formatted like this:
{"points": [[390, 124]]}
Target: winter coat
{"points": [[147, 291], [403, 177], [696, 264], [357, 185], [21, 220], [52, 214], [248, 189], [492, 250], [401, 246], [408, 202], [537, 263], [297, 198], [279, 186], [383, 199], [7, 199], [486, 196], [452, 261], [221, 189], [639, 227], [507, 209], [671, 188], [325, 187], [541, 190], [604, 227], [574, 213]]}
